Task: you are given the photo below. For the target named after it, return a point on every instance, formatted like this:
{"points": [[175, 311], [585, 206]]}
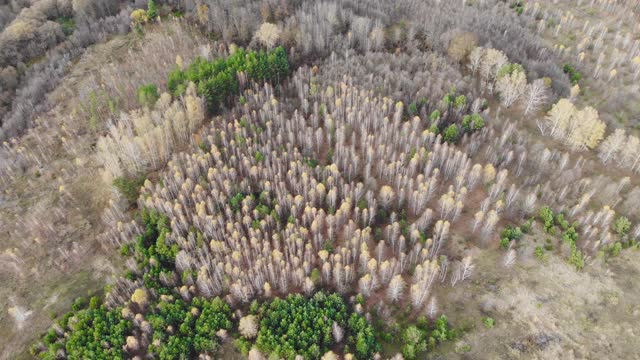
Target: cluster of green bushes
{"points": [[181, 330], [151, 252], [265, 206], [569, 233], [148, 95], [621, 226], [414, 337], [514, 233], [509, 69], [517, 6], [216, 80], [300, 326], [573, 74], [92, 332], [68, 24], [456, 104], [421, 337], [414, 106], [194, 325], [129, 187], [472, 122]]}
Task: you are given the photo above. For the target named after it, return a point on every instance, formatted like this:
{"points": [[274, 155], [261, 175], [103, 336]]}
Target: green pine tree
{"points": [[152, 10]]}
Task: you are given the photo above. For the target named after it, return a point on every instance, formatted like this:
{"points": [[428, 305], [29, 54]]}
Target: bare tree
{"points": [[536, 95]]}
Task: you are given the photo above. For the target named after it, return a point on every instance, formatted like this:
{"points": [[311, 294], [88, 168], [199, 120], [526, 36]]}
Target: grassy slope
{"points": [[43, 279]]}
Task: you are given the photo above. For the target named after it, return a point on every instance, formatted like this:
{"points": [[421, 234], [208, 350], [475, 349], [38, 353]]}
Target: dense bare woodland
{"points": [[292, 179]]}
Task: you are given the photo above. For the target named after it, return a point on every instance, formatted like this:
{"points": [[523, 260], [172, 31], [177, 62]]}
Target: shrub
{"points": [[576, 258], [435, 116], [152, 10], [517, 6], [148, 95], [509, 69], [573, 74], [472, 122], [361, 337], [129, 187], [622, 226], [414, 342], [547, 217], [442, 331], [510, 233], [68, 24], [570, 236], [489, 322], [451, 133], [139, 17]]}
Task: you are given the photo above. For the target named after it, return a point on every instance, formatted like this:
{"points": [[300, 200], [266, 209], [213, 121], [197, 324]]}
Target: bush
{"points": [[68, 24], [576, 258], [414, 342], [614, 249], [510, 233], [152, 10], [622, 226], [570, 236], [489, 322], [420, 337], [472, 122], [361, 337], [451, 133], [517, 6], [573, 74], [148, 95], [129, 187], [509, 69], [435, 116], [547, 217]]}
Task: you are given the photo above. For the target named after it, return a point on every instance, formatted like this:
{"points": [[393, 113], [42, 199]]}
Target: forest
{"points": [[335, 179]]}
